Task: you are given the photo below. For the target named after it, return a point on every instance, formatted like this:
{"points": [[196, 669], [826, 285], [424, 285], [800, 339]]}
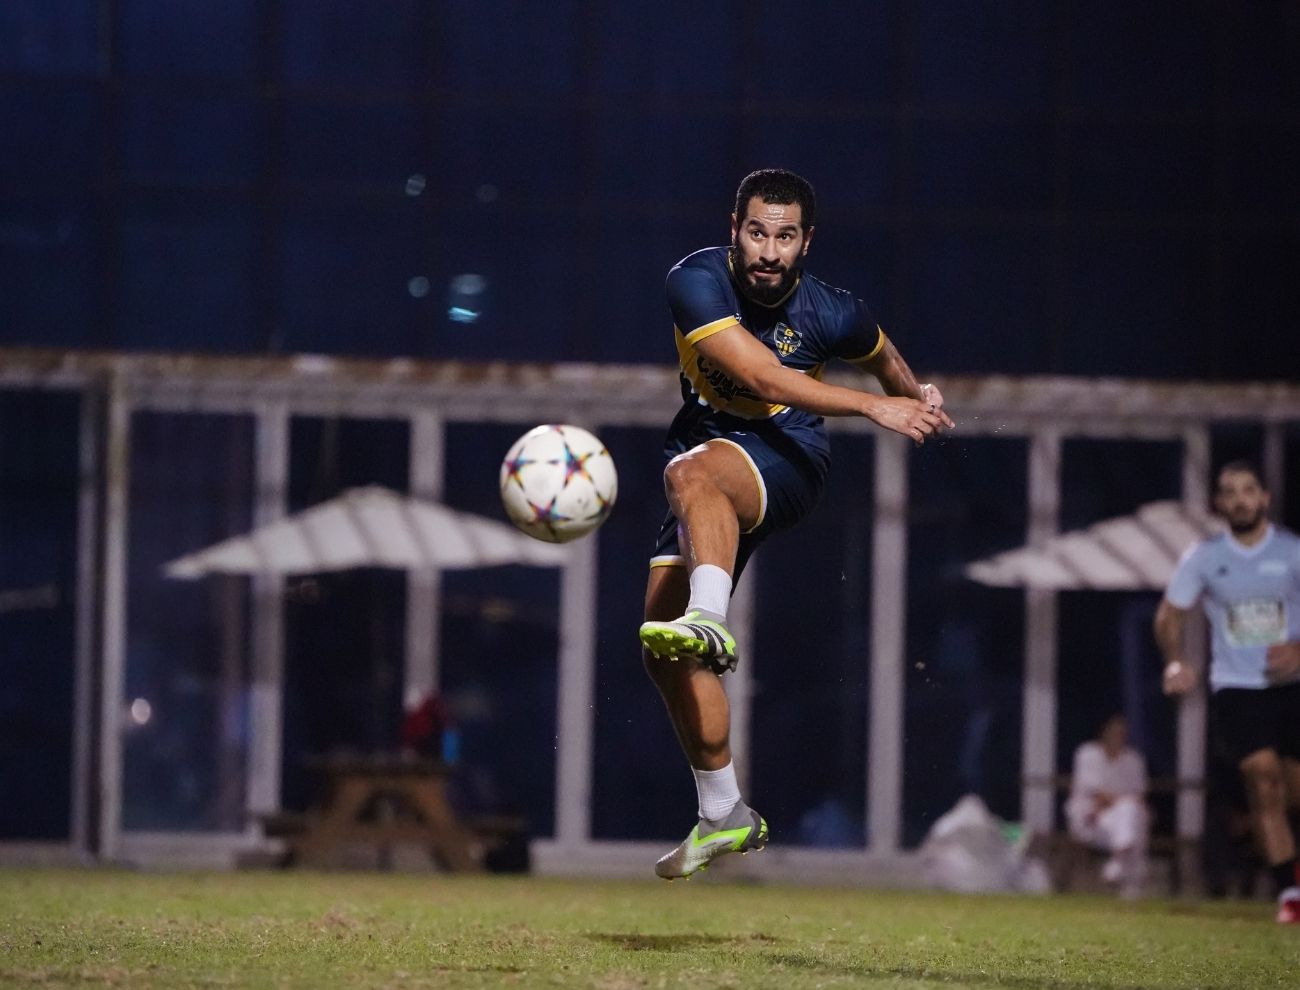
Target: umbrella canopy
{"points": [[369, 527], [1128, 553]]}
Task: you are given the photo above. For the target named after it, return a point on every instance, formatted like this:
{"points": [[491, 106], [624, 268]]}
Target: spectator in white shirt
{"points": [[1107, 809]]}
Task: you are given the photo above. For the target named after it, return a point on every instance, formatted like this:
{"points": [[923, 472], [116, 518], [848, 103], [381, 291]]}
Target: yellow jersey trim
{"points": [[709, 329], [758, 481], [736, 405], [880, 345], [668, 561]]}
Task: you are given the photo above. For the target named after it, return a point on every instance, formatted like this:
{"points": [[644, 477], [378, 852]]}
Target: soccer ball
{"points": [[558, 483]]}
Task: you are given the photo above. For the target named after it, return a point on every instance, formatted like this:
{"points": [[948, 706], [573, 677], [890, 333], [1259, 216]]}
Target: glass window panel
{"points": [[965, 654], [329, 456], [500, 661], [687, 51], [851, 162], [370, 45], [503, 159], [1108, 658], [186, 665], [505, 290], [1286, 504], [630, 715], [186, 276], [51, 135], [344, 631], [50, 37], [1134, 295], [1109, 663], [379, 144], [862, 257], [846, 55], [47, 271], [189, 140], [982, 167], [347, 280], [996, 54], [214, 40], [1105, 478], [1262, 309], [1144, 167], [1163, 51], [980, 301], [693, 151], [1258, 43], [509, 47], [38, 597], [1263, 161], [499, 652], [625, 266], [811, 665]]}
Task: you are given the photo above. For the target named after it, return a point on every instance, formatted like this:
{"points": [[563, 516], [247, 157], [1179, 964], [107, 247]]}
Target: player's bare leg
{"points": [[713, 492], [1266, 789], [1291, 780], [693, 695]]}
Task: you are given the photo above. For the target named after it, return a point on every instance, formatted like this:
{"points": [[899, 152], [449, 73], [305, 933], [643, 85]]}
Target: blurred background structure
{"points": [[241, 241]]}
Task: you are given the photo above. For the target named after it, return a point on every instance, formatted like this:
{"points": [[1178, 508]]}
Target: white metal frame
{"points": [[430, 396]]}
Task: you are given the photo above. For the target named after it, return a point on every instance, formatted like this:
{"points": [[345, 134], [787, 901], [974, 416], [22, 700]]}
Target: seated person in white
{"points": [[1106, 808]]}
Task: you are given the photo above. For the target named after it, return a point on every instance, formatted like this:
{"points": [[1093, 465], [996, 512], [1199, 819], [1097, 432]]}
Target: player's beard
{"points": [[767, 295], [1245, 521]]}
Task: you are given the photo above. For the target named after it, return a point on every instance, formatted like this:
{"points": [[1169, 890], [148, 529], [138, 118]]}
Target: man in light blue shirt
{"points": [[1247, 579]]}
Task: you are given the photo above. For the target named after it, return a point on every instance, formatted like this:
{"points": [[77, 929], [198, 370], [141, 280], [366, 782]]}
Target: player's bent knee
{"points": [[684, 472], [1262, 773]]}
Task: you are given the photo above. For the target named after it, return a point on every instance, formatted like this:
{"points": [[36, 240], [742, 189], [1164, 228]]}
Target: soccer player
{"points": [[747, 455], [1248, 581]]}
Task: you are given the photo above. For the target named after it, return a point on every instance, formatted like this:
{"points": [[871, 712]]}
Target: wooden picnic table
{"points": [[373, 803]]}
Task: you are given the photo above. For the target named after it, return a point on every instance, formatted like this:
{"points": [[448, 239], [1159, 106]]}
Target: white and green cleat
{"points": [[742, 831], [693, 635]]}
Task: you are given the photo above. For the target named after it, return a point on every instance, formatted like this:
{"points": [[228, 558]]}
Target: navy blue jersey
{"points": [[811, 325]]}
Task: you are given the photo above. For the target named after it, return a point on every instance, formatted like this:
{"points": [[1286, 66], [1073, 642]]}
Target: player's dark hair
{"points": [[1243, 466], [778, 185]]}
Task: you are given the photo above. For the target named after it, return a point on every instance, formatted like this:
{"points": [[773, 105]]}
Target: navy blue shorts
{"points": [[790, 479]]}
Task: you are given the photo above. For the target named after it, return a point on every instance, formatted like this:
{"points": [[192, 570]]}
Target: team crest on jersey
{"points": [[787, 339]]}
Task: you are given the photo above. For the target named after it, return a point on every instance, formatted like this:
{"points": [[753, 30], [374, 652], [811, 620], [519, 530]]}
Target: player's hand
{"points": [[915, 419], [1283, 661], [931, 395], [1178, 678]]}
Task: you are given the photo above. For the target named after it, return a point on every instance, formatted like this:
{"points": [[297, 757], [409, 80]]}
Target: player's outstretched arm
{"points": [[753, 366], [1179, 676], [896, 378]]}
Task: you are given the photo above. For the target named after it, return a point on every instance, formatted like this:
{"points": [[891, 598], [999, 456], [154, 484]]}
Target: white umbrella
{"points": [[1127, 553], [369, 527]]}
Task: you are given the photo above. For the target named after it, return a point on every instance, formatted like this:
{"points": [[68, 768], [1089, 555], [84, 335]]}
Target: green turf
{"points": [[105, 928]]}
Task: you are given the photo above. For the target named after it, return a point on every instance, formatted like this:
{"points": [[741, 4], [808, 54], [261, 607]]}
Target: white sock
{"points": [[718, 791], [710, 590]]}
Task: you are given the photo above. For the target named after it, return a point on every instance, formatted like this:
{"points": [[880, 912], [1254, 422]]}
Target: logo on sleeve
{"points": [[786, 339]]}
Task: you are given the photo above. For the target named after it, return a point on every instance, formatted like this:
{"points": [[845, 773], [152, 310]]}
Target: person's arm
{"points": [[1084, 786], [896, 378], [1179, 676], [753, 366], [1283, 661]]}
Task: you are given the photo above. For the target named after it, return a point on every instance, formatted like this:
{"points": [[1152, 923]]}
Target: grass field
{"points": [[103, 928]]}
